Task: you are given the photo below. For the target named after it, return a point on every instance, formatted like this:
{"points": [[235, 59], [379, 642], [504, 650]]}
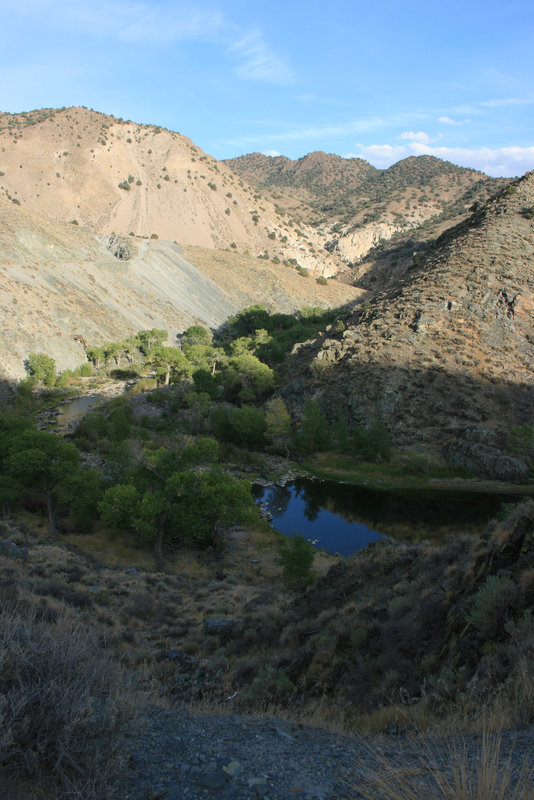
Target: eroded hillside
{"points": [[60, 280], [358, 207]]}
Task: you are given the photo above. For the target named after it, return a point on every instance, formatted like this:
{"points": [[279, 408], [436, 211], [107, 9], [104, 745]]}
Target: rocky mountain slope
{"points": [[358, 207], [444, 360], [59, 280], [111, 175]]}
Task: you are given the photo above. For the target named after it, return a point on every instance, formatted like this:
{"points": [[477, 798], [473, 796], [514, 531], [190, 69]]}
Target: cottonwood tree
{"points": [[278, 425], [169, 361]]}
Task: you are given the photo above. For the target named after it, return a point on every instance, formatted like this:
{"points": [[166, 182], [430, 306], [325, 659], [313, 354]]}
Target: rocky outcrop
{"points": [[447, 357]]}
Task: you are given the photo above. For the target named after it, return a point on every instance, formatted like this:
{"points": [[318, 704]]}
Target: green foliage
{"points": [[243, 426], [206, 501], [197, 334], [321, 280], [279, 432], [247, 379], [492, 605], [169, 361], [522, 439], [204, 451], [314, 434], [205, 382], [41, 368], [39, 467], [85, 370], [118, 504], [150, 339], [296, 557], [373, 444]]}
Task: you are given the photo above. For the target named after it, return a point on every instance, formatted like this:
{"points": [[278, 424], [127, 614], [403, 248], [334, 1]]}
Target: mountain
{"points": [[444, 359], [111, 175], [358, 207]]}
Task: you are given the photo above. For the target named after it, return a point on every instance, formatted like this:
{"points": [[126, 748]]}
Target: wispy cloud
{"points": [[319, 132], [123, 19], [257, 61], [498, 162]]}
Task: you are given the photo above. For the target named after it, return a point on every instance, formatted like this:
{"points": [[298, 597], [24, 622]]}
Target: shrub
{"points": [[62, 703], [296, 557], [321, 280], [86, 370], [492, 604]]}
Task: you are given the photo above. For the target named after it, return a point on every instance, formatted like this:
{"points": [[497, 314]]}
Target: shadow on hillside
{"points": [[7, 390], [467, 421]]}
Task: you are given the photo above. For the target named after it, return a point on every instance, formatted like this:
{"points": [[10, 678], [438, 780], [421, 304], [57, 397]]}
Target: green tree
{"points": [[247, 379], [278, 425], [296, 557], [206, 501], [205, 382], [95, 355], [43, 465], [243, 426], [118, 505], [314, 434], [373, 443], [168, 361], [41, 368], [150, 339], [197, 334]]}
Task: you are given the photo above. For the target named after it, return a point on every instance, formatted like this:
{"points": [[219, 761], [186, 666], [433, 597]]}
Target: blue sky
{"points": [[380, 80]]}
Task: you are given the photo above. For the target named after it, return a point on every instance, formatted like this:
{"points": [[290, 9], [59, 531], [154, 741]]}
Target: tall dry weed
{"points": [[456, 769]]}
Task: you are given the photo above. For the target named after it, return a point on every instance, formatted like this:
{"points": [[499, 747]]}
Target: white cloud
{"points": [[258, 62], [272, 153], [498, 162], [449, 121], [420, 136], [381, 155]]}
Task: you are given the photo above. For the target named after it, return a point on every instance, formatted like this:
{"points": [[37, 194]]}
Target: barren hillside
{"points": [[58, 280], [111, 175]]}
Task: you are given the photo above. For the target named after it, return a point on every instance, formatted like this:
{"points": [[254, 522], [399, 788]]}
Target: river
{"points": [[341, 518]]}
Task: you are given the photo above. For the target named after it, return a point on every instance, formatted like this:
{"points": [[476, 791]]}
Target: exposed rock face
{"points": [[357, 244], [445, 359]]}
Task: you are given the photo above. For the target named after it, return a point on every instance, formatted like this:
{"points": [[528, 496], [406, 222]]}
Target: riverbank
{"points": [[67, 411], [390, 477]]}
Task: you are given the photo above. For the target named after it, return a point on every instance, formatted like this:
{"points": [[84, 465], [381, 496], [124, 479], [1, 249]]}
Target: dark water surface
{"points": [[342, 519]]}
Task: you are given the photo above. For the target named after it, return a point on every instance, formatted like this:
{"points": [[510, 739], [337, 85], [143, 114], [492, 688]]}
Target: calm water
{"points": [[75, 409], [342, 519]]}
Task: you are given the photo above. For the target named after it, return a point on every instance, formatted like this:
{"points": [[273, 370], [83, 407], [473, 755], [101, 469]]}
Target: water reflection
{"points": [[342, 518]]}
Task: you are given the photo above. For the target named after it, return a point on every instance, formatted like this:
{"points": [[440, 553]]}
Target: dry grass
{"points": [[63, 703], [451, 770]]}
